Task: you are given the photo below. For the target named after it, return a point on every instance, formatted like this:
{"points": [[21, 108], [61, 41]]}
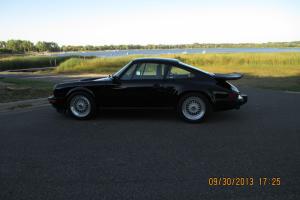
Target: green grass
{"points": [[264, 70], [12, 89], [255, 64], [96, 65], [24, 62]]}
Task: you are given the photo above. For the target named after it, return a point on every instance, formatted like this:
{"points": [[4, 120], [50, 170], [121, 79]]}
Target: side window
{"points": [[128, 74], [150, 71], [178, 73]]}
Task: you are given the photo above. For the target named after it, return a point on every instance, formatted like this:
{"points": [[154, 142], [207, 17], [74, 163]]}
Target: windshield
{"points": [[118, 73]]}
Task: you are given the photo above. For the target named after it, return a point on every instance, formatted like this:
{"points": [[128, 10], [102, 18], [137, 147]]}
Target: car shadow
{"points": [[158, 115], [140, 114]]}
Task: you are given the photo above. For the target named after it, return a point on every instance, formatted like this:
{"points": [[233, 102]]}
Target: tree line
{"points": [[182, 46], [25, 46]]}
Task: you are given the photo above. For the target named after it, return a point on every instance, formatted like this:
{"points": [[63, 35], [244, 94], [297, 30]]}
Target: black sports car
{"points": [[151, 83]]}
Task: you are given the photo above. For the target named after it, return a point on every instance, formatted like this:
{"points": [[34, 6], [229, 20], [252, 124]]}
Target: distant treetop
{"points": [[25, 46]]}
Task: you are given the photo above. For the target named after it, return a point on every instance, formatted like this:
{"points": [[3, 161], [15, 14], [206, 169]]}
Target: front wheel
{"points": [[193, 107], [81, 105]]}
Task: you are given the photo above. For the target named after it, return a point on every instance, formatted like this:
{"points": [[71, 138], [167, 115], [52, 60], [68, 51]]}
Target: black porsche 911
{"points": [[151, 83]]}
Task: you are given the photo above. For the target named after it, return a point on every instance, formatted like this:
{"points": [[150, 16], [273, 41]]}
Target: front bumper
{"points": [[58, 103], [56, 100]]}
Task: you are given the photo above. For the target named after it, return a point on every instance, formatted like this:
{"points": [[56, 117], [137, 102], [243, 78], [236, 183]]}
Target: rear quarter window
{"points": [[179, 73]]}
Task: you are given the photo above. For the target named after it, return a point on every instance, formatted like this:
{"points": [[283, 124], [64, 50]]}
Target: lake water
{"points": [[113, 53]]}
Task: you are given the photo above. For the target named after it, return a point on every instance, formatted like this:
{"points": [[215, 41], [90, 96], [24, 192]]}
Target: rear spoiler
{"points": [[225, 77]]}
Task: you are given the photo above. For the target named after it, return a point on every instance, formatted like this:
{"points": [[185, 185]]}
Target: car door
{"points": [[139, 86], [148, 79], [121, 92]]}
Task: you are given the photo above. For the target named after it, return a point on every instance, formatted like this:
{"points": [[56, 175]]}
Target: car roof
{"points": [[165, 60], [169, 61]]}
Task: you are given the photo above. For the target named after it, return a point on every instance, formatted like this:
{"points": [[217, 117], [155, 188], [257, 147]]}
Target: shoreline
{"points": [[60, 53]]}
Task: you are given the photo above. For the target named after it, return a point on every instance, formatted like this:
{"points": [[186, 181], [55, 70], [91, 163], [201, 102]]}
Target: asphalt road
{"points": [[151, 154]]}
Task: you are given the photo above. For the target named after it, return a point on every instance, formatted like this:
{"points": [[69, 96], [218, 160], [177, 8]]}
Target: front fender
{"points": [[80, 89]]}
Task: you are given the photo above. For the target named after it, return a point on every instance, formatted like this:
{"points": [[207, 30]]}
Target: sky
{"points": [[98, 22]]}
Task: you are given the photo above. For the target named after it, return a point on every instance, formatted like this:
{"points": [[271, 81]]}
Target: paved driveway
{"points": [[151, 154]]}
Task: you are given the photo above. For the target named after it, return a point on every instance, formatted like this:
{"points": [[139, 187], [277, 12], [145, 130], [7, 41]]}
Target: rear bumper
{"points": [[228, 104], [242, 99]]}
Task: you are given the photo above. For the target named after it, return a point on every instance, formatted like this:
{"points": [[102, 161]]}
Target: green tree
{"points": [[19, 45], [14, 45], [27, 46], [42, 46]]}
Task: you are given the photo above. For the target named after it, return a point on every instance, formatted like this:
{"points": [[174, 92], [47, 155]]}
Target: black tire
{"points": [[87, 99], [199, 101]]}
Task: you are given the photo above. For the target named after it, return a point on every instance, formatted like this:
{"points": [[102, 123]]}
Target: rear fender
{"points": [[207, 94]]}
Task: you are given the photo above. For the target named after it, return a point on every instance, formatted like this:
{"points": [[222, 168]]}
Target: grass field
{"points": [[263, 70], [12, 89], [24, 62], [96, 65], [255, 64]]}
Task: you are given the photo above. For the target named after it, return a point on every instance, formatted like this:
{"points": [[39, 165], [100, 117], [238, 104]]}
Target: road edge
{"points": [[19, 105]]}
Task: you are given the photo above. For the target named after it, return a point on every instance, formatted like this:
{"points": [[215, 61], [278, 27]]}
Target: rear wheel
{"points": [[81, 105], [193, 107]]}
